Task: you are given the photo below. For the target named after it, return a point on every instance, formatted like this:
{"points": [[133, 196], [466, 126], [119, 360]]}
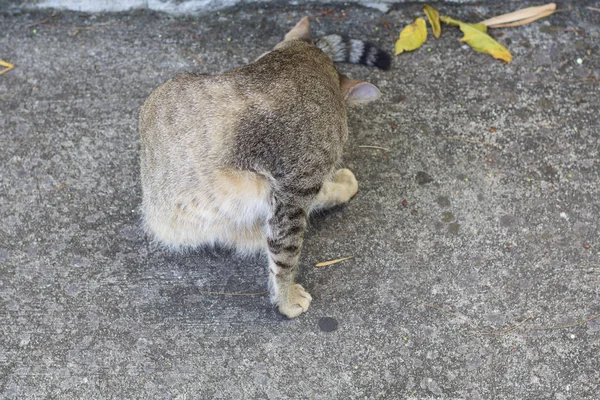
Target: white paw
{"points": [[346, 178], [296, 303]]}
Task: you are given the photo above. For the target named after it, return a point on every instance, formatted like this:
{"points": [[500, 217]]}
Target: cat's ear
{"points": [[358, 92], [300, 31]]}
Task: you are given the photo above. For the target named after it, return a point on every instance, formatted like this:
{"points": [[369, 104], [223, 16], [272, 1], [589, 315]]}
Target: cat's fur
{"points": [[242, 158]]}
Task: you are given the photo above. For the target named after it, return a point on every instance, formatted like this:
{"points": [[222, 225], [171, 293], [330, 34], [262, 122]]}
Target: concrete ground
{"points": [[475, 237]]}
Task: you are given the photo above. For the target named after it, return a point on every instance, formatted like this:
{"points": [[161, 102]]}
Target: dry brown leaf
{"points": [[523, 21], [434, 20], [520, 17], [8, 66], [331, 262], [412, 37]]}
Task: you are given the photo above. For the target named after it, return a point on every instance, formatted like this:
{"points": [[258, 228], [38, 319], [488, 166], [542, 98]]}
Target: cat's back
{"points": [[187, 101], [295, 110]]}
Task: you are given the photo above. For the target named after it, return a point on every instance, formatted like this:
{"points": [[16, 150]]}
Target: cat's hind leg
{"points": [[337, 191], [286, 225]]}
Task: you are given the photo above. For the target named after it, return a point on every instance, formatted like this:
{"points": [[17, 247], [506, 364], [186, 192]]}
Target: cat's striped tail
{"points": [[341, 49]]}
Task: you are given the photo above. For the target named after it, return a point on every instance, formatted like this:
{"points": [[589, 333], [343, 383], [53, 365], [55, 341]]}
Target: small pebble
{"points": [[579, 61], [586, 246]]}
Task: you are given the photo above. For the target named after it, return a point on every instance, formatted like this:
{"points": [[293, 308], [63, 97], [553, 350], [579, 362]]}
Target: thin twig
{"points": [[375, 147], [547, 328], [593, 9], [58, 187], [331, 262], [235, 294], [467, 140], [7, 66], [585, 80], [504, 331], [42, 21], [440, 309]]}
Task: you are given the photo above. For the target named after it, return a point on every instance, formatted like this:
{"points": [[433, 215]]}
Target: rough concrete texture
{"points": [[475, 237], [187, 6]]}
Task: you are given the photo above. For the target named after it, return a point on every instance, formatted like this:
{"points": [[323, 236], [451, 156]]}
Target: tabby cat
{"points": [[242, 158]]}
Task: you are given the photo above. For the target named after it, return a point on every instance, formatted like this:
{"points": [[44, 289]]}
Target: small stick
{"points": [[593, 9], [375, 147], [42, 21], [235, 294], [331, 262], [586, 80], [8, 66], [504, 331], [547, 328], [440, 309]]}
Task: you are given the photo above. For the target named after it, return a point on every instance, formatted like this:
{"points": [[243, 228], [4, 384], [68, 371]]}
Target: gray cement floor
{"points": [[475, 237]]}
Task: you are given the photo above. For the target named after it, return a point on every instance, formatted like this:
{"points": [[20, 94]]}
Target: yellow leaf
{"points": [[480, 27], [451, 21], [8, 66], [434, 20], [483, 43], [412, 37], [326, 263], [479, 40]]}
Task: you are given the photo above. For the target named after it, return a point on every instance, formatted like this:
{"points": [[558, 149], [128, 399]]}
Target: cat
{"points": [[242, 158]]}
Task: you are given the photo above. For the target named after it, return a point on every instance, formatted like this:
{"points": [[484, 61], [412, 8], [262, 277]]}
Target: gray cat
{"points": [[242, 158]]}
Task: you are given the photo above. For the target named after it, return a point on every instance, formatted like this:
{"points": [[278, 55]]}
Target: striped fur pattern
{"points": [[242, 158], [341, 49]]}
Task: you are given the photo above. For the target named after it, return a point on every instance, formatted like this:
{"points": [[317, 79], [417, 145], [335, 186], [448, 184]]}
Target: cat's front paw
{"points": [[348, 182], [296, 302]]}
